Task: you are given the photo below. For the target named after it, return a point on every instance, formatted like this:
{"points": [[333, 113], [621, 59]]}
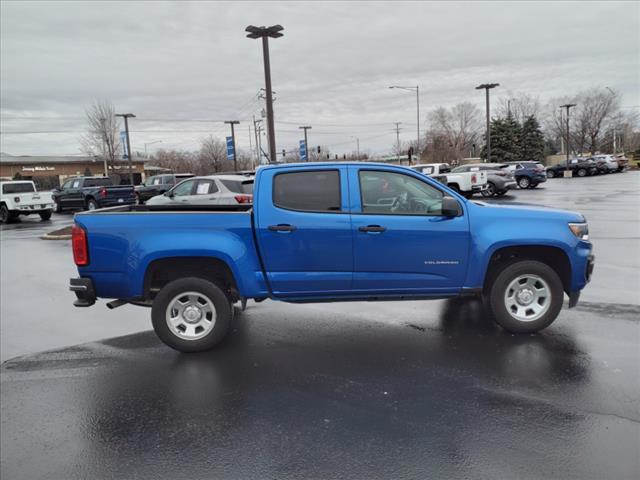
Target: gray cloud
{"points": [[170, 62]]}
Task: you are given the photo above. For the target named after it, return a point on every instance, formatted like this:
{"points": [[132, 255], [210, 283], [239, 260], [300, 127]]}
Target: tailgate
{"points": [[126, 191], [478, 178], [33, 199]]}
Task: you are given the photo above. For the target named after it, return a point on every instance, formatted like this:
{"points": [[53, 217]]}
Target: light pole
{"points": [[568, 106], [233, 142], [487, 87], [256, 131], [126, 117], [398, 141], [357, 146], [613, 95], [265, 33], [417, 89], [306, 143], [150, 143]]}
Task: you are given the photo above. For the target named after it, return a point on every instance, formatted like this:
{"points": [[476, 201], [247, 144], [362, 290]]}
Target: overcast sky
{"points": [[174, 62]]}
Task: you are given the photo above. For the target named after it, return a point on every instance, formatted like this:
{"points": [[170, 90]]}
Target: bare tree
{"points": [[521, 106], [213, 153], [101, 137], [453, 132], [595, 108]]}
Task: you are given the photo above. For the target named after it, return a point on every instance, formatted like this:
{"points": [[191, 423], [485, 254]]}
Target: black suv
{"points": [[158, 184], [581, 167]]}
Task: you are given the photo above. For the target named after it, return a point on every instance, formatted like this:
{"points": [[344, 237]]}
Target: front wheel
{"points": [[4, 214], [57, 207], [550, 174], [524, 182], [526, 296], [582, 172], [191, 314]]}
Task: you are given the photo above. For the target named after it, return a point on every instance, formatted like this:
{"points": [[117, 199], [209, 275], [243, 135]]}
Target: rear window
{"points": [[18, 188], [316, 191], [239, 186]]}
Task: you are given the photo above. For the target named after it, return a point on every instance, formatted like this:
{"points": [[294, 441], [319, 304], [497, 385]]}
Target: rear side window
{"points": [[18, 188], [206, 187], [239, 186], [315, 191]]}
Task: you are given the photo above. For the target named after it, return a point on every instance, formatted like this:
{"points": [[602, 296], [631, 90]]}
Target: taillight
{"points": [[16, 199], [244, 198], [103, 192], [474, 179], [80, 247]]}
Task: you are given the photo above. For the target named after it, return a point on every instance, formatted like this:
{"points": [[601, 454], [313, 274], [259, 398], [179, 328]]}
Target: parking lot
{"points": [[351, 390]]}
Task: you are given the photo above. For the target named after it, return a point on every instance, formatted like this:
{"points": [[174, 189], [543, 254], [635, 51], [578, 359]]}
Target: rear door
{"points": [[304, 230], [402, 243], [73, 197]]}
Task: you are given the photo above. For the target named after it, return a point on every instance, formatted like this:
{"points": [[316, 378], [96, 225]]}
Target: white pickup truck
{"points": [[20, 197], [466, 183]]}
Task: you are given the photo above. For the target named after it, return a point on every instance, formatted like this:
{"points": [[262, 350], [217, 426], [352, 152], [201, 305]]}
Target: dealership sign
{"points": [[38, 169]]}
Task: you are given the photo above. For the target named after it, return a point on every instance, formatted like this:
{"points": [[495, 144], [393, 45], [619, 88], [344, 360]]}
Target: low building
{"points": [[50, 171]]}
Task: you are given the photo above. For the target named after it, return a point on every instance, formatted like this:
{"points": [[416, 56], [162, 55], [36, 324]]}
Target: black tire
{"points": [[498, 290], [551, 174], [490, 191], [223, 314], [91, 204], [46, 215], [138, 201], [581, 172], [4, 214], [57, 207], [524, 182]]}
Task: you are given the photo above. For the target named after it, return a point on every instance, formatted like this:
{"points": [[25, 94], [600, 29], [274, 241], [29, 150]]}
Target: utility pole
{"points": [[233, 142], [398, 141], [487, 87], [306, 143], [568, 143], [265, 33], [417, 89], [357, 146], [106, 141], [250, 141], [126, 117], [256, 131]]}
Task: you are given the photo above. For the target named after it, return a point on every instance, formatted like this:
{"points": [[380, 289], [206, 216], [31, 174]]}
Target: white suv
{"points": [[21, 198]]}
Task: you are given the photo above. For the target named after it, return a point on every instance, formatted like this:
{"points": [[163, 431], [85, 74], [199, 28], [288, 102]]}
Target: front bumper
{"points": [[575, 296], [85, 293]]}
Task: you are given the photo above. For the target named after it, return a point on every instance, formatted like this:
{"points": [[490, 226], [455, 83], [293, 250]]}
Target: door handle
{"points": [[372, 228], [281, 227]]}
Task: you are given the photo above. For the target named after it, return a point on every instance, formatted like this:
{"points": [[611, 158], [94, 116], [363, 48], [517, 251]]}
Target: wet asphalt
{"points": [[345, 390]]}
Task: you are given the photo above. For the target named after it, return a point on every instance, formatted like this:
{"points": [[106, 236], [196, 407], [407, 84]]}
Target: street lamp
{"points": [[126, 117], [487, 87], [150, 143], [615, 146], [417, 90], [568, 106], [265, 33]]}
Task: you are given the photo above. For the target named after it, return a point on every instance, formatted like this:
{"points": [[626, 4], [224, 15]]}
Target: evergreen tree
{"points": [[532, 141], [505, 140]]}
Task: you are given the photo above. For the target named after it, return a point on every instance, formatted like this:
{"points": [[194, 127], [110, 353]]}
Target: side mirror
{"points": [[450, 207]]}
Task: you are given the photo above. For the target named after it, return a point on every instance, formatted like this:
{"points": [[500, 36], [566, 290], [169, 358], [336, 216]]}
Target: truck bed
{"points": [[175, 208]]}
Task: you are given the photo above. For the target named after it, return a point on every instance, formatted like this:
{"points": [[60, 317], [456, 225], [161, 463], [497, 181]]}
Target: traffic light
{"points": [[284, 153], [318, 148]]}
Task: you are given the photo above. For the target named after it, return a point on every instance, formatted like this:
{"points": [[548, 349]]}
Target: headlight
{"points": [[580, 230]]}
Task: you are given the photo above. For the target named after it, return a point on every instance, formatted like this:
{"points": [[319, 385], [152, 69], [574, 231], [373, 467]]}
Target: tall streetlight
{"points": [[126, 117], [265, 33], [150, 143], [417, 89], [615, 146], [487, 87], [306, 143], [568, 106]]}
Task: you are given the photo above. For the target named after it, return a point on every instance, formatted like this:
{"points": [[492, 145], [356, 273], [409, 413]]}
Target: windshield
{"points": [[239, 186], [18, 187]]}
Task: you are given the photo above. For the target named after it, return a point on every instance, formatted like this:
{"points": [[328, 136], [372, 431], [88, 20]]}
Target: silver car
{"points": [[209, 190], [499, 178]]}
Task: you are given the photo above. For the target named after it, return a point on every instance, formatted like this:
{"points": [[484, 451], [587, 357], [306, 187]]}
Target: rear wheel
{"points": [[46, 215], [490, 191], [526, 296], [524, 182], [582, 172], [4, 214], [550, 174], [138, 201], [92, 204], [191, 314]]}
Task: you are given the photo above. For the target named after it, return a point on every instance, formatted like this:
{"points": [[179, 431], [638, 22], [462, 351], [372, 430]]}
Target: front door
{"points": [[402, 243], [304, 231]]}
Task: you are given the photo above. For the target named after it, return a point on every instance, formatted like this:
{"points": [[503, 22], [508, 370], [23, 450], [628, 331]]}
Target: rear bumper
{"points": [[85, 293], [33, 208], [113, 202]]}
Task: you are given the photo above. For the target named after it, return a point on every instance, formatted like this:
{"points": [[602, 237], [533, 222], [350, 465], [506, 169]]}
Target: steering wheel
{"points": [[400, 203]]}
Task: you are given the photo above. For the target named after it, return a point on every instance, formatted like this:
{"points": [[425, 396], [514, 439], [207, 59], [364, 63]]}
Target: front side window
{"points": [[398, 194], [76, 184], [315, 191], [183, 188], [460, 169]]}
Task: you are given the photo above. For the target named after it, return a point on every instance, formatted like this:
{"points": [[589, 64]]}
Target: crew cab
{"points": [[89, 193], [158, 184], [330, 232], [465, 183], [20, 197]]}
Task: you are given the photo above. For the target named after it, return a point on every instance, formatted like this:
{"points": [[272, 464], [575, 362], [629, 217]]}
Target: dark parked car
{"points": [[158, 184], [499, 178], [528, 174], [89, 193], [581, 167]]}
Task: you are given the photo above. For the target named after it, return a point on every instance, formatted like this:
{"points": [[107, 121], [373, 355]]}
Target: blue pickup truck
{"points": [[322, 232]]}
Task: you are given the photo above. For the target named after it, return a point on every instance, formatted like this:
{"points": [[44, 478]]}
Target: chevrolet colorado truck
{"points": [[90, 193], [330, 232], [19, 197]]}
